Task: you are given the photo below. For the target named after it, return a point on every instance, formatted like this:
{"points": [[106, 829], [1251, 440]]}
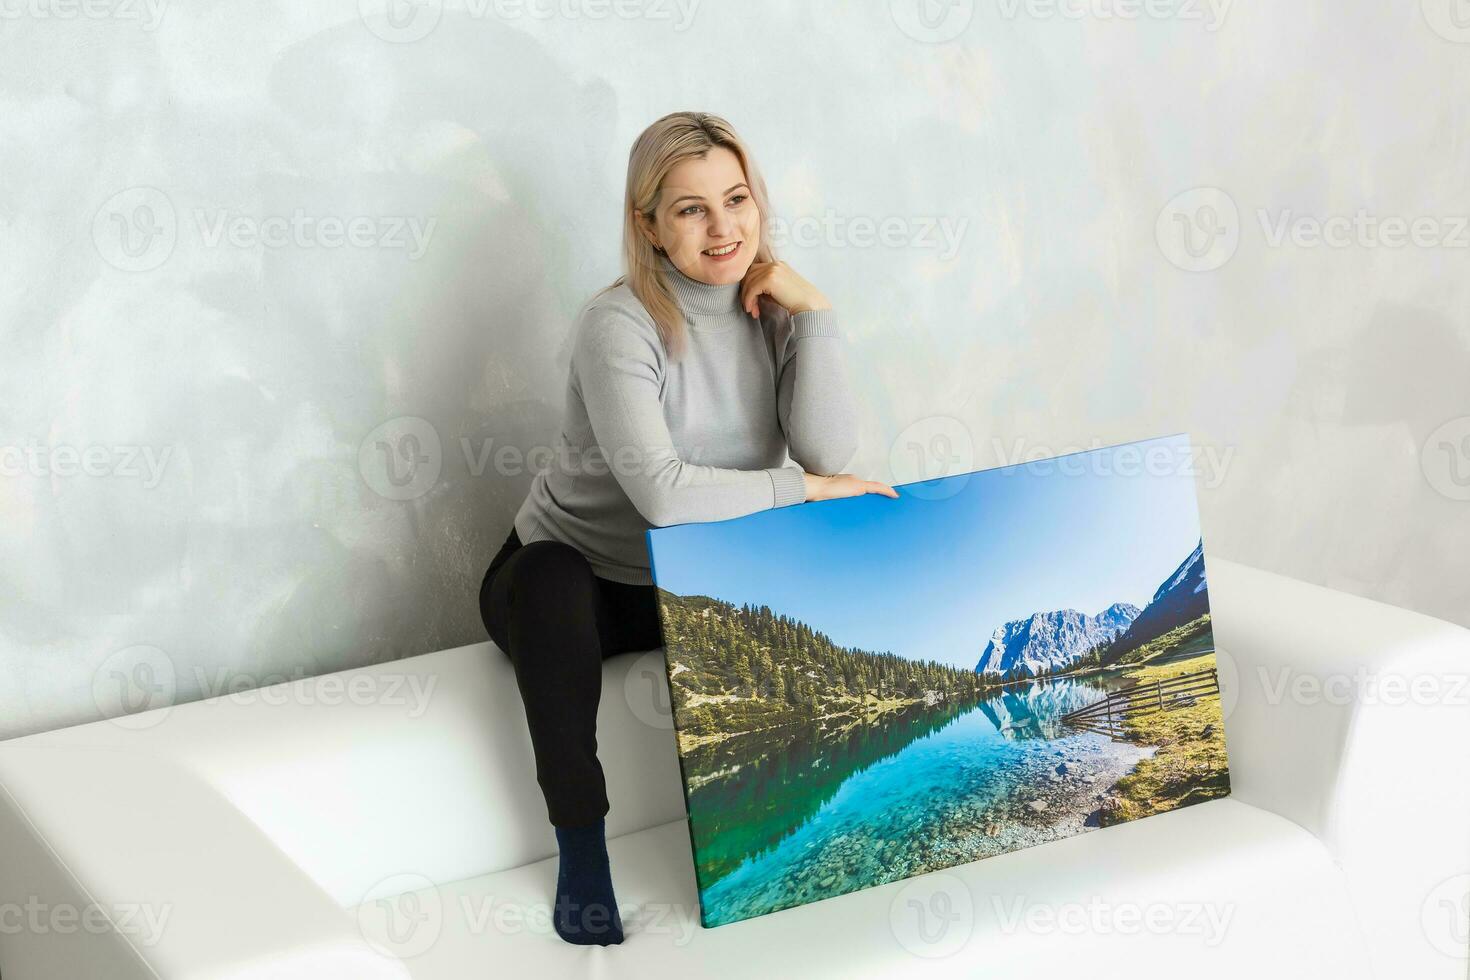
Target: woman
{"points": [[692, 377]]}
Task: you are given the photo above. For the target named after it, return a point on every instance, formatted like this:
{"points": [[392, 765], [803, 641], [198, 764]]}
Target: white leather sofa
{"points": [[297, 833]]}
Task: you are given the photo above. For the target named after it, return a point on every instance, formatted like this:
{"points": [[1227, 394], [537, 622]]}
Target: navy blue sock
{"points": [[586, 911]]}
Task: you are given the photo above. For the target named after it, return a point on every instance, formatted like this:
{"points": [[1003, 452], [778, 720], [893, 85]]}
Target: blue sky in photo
{"points": [[933, 578]]}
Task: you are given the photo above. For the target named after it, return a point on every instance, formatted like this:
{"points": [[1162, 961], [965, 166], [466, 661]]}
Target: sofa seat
{"points": [[383, 823], [1229, 886]]}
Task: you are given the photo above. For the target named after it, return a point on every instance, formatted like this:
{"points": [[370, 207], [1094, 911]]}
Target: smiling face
{"points": [[706, 219]]}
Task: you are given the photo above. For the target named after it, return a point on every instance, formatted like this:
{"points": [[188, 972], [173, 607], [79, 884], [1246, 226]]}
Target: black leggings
{"points": [[556, 621]]}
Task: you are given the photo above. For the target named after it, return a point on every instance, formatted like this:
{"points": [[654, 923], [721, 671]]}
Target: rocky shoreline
{"points": [[1064, 799], [1060, 792]]}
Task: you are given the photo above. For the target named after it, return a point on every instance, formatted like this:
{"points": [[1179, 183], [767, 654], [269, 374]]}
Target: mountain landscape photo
{"points": [[854, 704]]}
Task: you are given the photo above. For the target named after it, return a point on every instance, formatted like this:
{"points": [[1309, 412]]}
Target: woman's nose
{"points": [[719, 225]]}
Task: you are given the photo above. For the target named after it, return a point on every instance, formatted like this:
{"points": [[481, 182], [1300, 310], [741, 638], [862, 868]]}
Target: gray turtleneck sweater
{"points": [[648, 442]]}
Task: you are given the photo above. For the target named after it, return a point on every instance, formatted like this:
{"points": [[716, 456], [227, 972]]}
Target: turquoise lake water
{"points": [[791, 817]]}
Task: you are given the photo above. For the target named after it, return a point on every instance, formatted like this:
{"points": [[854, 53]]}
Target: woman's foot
{"points": [[586, 912]]}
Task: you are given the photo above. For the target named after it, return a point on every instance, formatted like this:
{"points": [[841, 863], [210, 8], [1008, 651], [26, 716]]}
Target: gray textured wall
{"points": [[280, 279]]}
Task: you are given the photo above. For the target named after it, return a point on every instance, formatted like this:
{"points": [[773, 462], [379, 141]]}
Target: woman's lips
{"points": [[727, 256]]}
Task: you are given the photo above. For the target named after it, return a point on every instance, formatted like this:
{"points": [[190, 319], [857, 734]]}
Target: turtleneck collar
{"points": [[695, 297]]}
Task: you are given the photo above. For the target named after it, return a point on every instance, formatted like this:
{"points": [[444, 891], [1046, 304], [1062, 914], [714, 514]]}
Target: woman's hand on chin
{"points": [[780, 282]]}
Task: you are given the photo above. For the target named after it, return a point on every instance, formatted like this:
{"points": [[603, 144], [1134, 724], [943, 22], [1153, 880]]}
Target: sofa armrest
{"points": [[1352, 718], [136, 867]]}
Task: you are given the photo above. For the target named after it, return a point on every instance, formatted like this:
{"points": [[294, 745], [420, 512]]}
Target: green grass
{"points": [[1193, 637], [1190, 764]]}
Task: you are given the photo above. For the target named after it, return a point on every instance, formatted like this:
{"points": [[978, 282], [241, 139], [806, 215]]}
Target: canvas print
{"points": [[867, 689]]}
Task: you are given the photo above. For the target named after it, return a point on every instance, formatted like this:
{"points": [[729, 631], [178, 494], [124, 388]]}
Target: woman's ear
{"points": [[645, 227]]}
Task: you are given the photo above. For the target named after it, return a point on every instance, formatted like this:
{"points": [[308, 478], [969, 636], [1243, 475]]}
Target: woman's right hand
{"points": [[843, 485]]}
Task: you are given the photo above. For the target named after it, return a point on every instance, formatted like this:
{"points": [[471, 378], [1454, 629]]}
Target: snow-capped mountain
{"points": [[1051, 640], [1183, 596]]}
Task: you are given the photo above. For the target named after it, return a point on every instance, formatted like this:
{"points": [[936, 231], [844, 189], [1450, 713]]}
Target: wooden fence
{"points": [[1106, 717]]}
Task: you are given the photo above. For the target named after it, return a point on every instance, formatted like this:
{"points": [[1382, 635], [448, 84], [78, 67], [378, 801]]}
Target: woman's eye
{"points": [[737, 200], [690, 209]]}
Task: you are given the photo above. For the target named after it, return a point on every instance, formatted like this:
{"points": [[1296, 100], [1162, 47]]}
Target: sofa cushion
{"points": [[434, 747], [1213, 890]]}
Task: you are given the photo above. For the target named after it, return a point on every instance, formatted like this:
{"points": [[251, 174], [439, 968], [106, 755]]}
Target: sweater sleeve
{"points": [[814, 399], [617, 360]]}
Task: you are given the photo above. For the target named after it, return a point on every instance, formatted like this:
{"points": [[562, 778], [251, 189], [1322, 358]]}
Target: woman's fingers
{"points": [[751, 300], [845, 485], [753, 286], [861, 486], [856, 486]]}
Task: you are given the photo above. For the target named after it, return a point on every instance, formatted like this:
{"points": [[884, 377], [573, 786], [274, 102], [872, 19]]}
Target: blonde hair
{"points": [[665, 144]]}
